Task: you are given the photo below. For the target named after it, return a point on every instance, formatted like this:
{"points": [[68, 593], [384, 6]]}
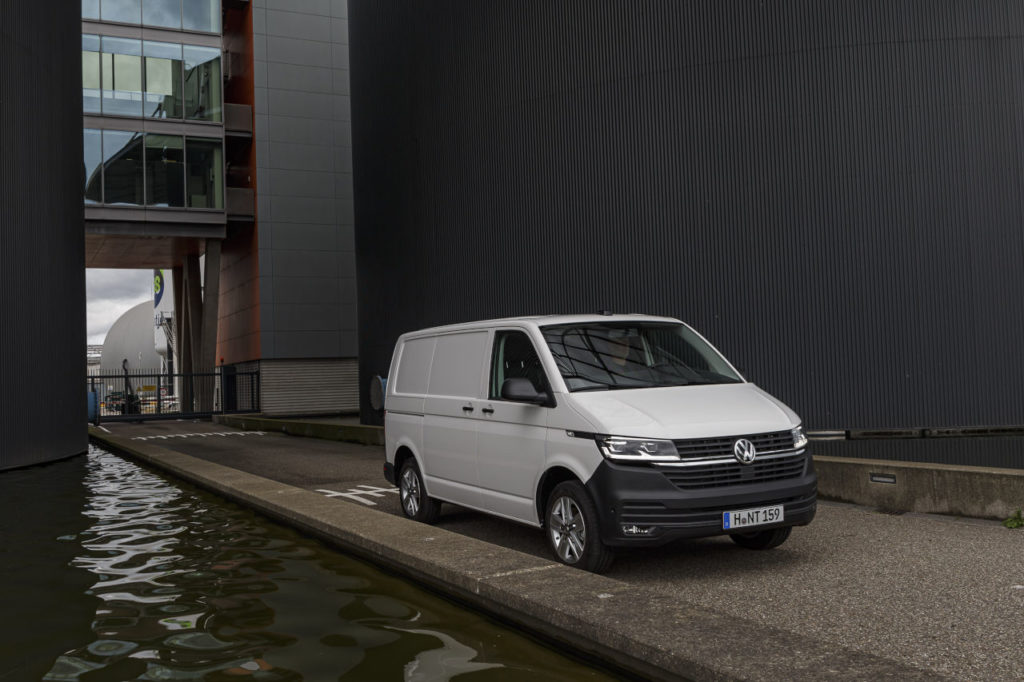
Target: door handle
{"points": [[488, 410], [467, 408]]}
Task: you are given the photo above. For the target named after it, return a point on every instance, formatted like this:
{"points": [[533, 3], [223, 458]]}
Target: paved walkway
{"points": [[942, 595]]}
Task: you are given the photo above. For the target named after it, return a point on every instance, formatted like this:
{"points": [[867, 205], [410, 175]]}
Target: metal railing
{"points": [[140, 395]]}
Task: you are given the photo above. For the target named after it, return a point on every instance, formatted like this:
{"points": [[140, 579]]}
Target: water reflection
{"points": [[191, 588]]}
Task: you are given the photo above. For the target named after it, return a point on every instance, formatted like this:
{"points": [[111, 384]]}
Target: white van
{"points": [[605, 430]]}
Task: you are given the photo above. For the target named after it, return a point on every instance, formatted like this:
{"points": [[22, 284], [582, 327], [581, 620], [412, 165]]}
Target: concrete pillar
{"points": [[211, 304], [207, 348], [182, 348], [194, 309], [195, 312], [191, 316]]}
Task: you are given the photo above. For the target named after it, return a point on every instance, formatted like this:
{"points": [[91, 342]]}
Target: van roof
{"points": [[539, 321]]}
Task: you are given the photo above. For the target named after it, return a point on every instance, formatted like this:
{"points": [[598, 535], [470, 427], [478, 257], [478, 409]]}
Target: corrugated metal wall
{"points": [[308, 387], [830, 191], [42, 259]]}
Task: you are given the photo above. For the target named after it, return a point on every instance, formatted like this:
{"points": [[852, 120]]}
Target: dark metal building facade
{"points": [[830, 191], [42, 267]]}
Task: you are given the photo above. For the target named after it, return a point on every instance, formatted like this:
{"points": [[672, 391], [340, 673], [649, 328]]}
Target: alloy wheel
{"points": [[568, 531], [410, 490]]}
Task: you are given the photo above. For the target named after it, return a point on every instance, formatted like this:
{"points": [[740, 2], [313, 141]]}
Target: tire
{"points": [[413, 496], [764, 539], [572, 529]]}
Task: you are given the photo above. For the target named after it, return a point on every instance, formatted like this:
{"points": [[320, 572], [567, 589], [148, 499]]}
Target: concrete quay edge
{"points": [[596, 616], [308, 428], [979, 492]]}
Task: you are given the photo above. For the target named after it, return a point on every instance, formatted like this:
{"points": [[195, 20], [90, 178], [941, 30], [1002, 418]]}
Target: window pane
{"points": [[126, 11], [90, 74], [161, 13], [163, 80], [201, 15], [514, 357], [93, 160], [90, 9], [165, 170], [122, 76], [202, 83], [624, 355], [205, 175], [122, 167]]}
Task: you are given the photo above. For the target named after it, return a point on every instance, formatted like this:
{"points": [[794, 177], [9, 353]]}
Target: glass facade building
{"points": [[129, 81], [124, 167], [188, 15], [220, 130]]}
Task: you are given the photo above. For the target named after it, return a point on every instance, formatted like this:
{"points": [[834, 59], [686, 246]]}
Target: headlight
{"points": [[799, 438], [637, 450]]}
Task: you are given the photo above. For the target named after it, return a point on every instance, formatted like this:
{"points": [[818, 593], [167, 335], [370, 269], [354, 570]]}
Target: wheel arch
{"points": [[402, 455], [549, 479]]}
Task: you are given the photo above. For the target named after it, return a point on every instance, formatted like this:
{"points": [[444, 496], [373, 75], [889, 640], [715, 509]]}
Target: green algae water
{"points": [[109, 572]]}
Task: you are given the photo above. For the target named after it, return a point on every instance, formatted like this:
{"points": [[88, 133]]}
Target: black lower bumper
{"points": [[641, 506]]}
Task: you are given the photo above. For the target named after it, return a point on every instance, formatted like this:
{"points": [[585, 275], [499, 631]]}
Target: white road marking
{"points": [[356, 494], [106, 430], [201, 434]]}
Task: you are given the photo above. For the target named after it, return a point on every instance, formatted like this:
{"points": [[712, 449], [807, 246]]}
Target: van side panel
{"points": [[449, 426], [414, 366]]}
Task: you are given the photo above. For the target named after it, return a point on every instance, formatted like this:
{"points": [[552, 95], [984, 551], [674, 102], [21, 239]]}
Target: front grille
{"points": [[655, 513], [698, 448], [718, 474]]}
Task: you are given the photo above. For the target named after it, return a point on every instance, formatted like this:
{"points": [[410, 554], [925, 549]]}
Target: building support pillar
{"points": [[211, 305], [206, 350], [195, 319], [183, 388], [191, 314]]}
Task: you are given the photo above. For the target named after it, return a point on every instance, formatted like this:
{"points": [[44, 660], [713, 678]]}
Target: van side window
{"points": [[514, 357]]}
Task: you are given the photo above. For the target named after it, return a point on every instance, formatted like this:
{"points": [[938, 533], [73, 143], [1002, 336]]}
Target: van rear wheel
{"points": [[413, 496], [765, 539], [571, 526]]}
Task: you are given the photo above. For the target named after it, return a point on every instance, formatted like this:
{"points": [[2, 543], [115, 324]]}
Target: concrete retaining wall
{"points": [[918, 487]]}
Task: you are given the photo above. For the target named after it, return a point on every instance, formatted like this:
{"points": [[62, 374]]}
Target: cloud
{"points": [[109, 294]]}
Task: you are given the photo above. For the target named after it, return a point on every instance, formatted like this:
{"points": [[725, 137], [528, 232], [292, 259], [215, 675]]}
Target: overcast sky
{"points": [[109, 293]]}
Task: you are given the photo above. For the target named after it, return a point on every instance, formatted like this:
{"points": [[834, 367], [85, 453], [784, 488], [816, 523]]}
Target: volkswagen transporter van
{"points": [[607, 431]]}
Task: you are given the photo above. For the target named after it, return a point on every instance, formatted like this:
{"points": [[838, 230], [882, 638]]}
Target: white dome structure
{"points": [[131, 338]]}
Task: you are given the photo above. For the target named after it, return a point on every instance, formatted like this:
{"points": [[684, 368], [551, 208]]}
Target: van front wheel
{"points": [[413, 496], [571, 526]]}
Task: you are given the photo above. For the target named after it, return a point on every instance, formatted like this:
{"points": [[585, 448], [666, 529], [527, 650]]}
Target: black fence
{"points": [[144, 395]]}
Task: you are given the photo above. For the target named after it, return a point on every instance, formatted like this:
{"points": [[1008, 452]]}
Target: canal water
{"points": [[110, 572]]}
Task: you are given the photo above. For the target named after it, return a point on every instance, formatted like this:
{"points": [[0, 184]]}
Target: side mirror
{"points": [[520, 390]]}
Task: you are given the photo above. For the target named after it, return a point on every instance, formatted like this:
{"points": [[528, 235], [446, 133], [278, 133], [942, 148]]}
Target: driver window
{"points": [[514, 357]]}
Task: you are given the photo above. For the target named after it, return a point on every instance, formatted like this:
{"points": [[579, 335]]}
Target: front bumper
{"points": [[644, 498]]}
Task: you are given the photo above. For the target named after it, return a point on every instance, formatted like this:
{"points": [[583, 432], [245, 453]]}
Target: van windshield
{"points": [[617, 355]]}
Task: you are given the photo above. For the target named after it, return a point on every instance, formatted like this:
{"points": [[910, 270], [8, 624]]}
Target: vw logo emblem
{"points": [[744, 451]]}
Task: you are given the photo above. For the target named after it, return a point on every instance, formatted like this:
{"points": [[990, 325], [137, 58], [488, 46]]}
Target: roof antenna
{"points": [[604, 312]]}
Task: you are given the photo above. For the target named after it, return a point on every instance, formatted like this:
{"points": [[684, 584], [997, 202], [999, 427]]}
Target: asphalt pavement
{"points": [[941, 594]]}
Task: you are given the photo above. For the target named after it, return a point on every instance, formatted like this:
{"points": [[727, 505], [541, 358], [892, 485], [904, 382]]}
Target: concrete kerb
{"points": [[309, 428], [978, 492], [626, 626]]}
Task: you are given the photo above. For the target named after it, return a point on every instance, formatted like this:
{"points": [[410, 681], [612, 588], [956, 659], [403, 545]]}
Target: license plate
{"points": [[751, 517]]}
